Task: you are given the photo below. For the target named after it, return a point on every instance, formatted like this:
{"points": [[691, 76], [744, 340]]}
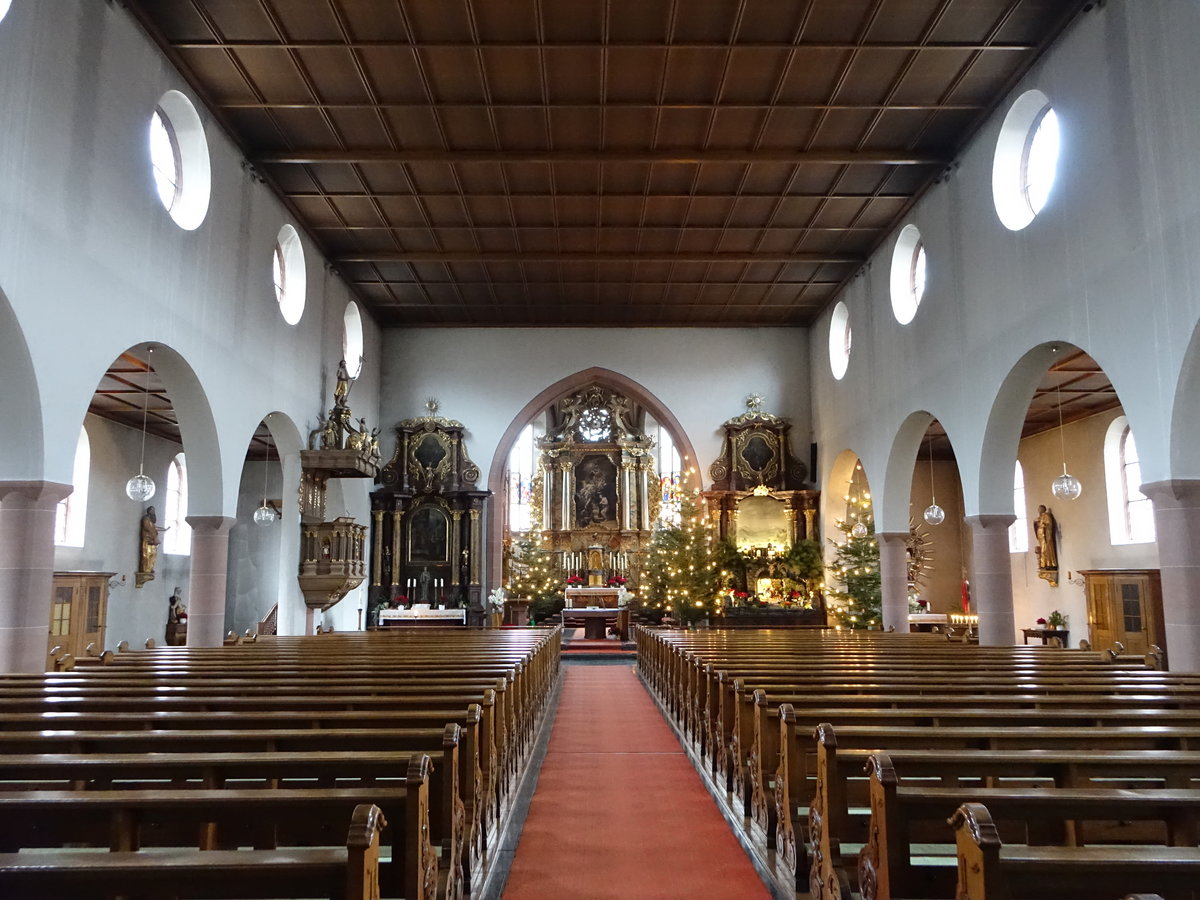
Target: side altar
{"points": [[427, 517]]}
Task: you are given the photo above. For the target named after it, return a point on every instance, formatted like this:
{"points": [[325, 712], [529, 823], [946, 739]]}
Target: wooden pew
{"points": [[351, 873], [819, 790], [988, 870], [452, 802], [902, 815]]}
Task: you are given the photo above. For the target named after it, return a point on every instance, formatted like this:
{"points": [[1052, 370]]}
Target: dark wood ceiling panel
{"points": [[617, 162]]}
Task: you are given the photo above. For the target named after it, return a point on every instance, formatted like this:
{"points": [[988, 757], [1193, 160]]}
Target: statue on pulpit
{"points": [[151, 536]]}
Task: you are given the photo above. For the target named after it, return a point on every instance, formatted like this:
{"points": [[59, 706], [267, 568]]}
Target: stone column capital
{"points": [[214, 525], [990, 521], [1173, 493], [33, 494], [892, 537]]}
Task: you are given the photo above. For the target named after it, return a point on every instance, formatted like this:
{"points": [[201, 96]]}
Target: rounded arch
{"points": [[1184, 423], [197, 428], [833, 503], [991, 492], [564, 386], [891, 508], [21, 449]]}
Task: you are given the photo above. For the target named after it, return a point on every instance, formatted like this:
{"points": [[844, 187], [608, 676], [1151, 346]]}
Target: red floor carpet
{"points": [[619, 812]]}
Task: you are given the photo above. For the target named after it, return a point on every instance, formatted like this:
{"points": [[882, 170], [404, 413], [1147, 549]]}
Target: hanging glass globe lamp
{"points": [[1066, 487], [934, 514], [140, 487], [264, 515]]}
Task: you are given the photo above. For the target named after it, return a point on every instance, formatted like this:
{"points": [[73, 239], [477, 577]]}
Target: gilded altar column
{"points": [[644, 493], [455, 542], [377, 548], [568, 504], [475, 547], [810, 524], [790, 515], [547, 495], [397, 517], [628, 494]]}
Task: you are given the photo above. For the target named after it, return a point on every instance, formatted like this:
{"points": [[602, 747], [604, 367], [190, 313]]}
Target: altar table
{"points": [[397, 617], [591, 597], [596, 620]]}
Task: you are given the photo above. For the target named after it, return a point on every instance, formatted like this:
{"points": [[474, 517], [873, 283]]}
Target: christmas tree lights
{"points": [[855, 565], [683, 572]]}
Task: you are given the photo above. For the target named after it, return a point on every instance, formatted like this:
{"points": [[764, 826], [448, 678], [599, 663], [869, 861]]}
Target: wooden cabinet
{"points": [[78, 611], [1125, 605]]}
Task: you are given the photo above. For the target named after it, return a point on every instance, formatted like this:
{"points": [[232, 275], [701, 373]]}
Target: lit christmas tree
{"points": [[859, 604], [536, 573], [682, 571]]}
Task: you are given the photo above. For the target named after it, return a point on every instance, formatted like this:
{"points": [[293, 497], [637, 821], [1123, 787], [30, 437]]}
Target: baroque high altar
{"points": [[597, 500]]}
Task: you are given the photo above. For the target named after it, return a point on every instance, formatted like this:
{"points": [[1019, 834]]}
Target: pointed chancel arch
{"points": [[572, 384]]}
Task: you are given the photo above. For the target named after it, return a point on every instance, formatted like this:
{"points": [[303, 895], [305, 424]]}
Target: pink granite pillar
{"points": [[1177, 526], [210, 565], [893, 578], [26, 571], [991, 579]]}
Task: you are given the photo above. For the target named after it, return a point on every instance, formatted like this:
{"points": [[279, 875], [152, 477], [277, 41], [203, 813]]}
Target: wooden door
{"points": [[1125, 605], [62, 608], [78, 610]]}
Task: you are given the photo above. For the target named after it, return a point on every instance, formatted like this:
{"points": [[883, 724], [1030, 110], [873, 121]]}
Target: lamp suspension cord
{"points": [[145, 411], [1062, 441], [932, 492]]}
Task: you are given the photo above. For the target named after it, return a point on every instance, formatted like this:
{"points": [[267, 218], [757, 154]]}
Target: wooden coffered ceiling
{"points": [[600, 162]]}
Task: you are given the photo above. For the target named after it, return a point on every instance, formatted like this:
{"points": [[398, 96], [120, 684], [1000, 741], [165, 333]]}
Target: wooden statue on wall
{"points": [[149, 537], [1045, 532]]}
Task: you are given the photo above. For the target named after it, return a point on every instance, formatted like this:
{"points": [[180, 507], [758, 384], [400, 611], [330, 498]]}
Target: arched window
{"points": [[178, 538], [522, 466], [1018, 531], [71, 517], [670, 474], [1130, 513]]}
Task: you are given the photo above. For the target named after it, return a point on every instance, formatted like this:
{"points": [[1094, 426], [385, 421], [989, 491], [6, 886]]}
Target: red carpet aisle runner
{"points": [[619, 811]]}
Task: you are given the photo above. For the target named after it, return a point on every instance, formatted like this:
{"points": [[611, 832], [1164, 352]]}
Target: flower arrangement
{"points": [[617, 581], [496, 599], [623, 595], [1055, 620], [573, 580]]}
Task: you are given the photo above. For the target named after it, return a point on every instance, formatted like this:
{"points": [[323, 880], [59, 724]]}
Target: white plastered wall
{"points": [[92, 265], [1111, 265]]}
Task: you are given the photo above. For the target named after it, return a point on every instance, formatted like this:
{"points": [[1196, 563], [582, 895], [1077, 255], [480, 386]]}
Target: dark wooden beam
{"points": [[687, 156]]}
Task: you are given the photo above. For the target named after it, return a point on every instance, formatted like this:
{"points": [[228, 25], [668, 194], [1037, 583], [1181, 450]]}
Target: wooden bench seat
{"points": [[902, 815], [814, 775], [349, 873], [202, 770], [455, 813], [987, 870]]}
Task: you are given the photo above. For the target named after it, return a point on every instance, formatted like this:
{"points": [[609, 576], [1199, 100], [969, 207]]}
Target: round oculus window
{"points": [[179, 163], [287, 272], [352, 339], [1026, 160], [907, 278], [839, 340]]}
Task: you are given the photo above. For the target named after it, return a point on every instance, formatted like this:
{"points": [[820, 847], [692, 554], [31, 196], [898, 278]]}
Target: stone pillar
{"points": [[893, 578], [291, 601], [27, 511], [991, 579], [210, 564], [1177, 526]]}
